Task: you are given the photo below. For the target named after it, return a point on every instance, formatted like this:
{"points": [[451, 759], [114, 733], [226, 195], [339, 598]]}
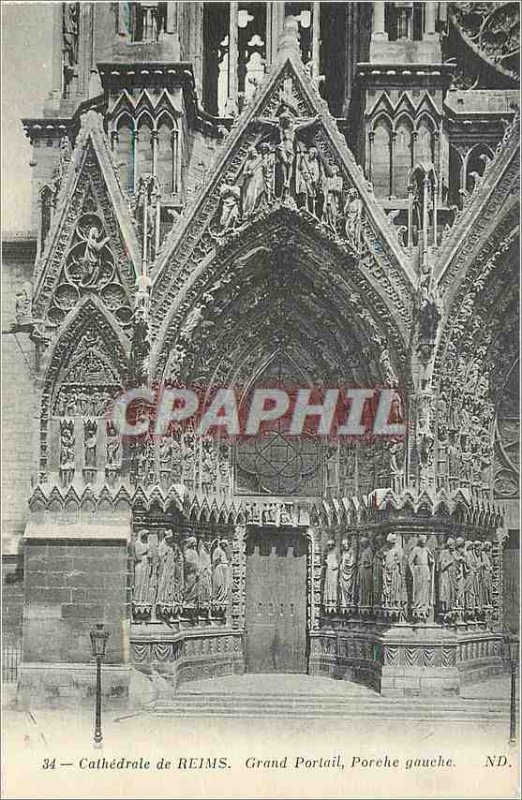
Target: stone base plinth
{"points": [[406, 660], [71, 685], [187, 655]]}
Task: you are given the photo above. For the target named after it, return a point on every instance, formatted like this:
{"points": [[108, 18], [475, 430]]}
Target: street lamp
{"points": [[99, 638], [512, 649]]}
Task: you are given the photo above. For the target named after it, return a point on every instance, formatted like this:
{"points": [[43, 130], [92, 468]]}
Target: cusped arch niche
{"points": [[275, 316], [86, 369]]}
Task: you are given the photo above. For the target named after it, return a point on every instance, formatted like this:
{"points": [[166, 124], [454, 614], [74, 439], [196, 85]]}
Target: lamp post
{"points": [[99, 638], [512, 648]]}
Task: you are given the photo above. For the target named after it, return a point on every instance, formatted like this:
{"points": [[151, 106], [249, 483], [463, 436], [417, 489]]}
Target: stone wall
{"points": [[75, 575], [12, 600], [17, 410]]}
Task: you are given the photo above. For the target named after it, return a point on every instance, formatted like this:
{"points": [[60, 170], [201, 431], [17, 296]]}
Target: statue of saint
{"points": [[92, 257], [23, 305], [333, 192], [142, 569], [67, 454], [205, 575], [113, 446], [191, 572], [378, 564], [365, 574], [229, 218], [308, 178], [253, 182], [89, 442], [462, 574], [421, 564], [268, 157], [170, 572], [220, 574], [486, 572], [70, 33], [470, 585], [447, 574], [392, 574], [348, 572], [165, 452], [331, 575], [353, 215], [477, 574]]}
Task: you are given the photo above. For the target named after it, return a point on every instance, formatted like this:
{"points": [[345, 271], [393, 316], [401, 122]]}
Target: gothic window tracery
{"points": [[123, 142], [425, 141], [381, 157], [167, 157], [404, 19], [251, 21], [216, 23], [402, 155], [145, 147], [147, 20]]}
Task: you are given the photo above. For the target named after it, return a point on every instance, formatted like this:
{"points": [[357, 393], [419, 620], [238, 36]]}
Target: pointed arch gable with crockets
{"points": [[492, 206], [90, 198], [89, 335], [286, 86]]}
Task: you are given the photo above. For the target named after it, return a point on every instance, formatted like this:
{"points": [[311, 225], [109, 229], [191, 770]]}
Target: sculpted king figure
{"points": [[331, 574], [348, 573], [447, 577], [392, 575], [421, 565]]}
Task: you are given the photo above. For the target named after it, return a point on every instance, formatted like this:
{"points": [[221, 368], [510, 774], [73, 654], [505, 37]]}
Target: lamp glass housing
{"points": [[99, 638]]}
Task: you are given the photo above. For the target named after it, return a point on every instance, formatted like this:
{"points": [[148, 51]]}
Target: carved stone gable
{"points": [[91, 248], [284, 150]]}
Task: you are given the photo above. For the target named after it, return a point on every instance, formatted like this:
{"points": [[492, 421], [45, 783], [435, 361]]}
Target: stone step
{"points": [[377, 701], [391, 714], [319, 706]]}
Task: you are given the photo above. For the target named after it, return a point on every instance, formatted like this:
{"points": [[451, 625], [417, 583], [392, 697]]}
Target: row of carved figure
{"points": [[454, 583], [283, 168], [173, 578], [90, 446]]}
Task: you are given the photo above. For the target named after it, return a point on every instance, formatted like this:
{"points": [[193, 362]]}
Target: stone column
{"points": [[232, 54], [277, 19], [430, 9], [379, 31], [316, 34], [123, 22]]}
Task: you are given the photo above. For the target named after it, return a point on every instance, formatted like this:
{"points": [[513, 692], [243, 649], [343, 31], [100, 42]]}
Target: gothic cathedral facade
{"points": [[253, 194]]}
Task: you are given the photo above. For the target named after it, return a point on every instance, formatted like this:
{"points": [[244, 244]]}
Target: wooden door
{"points": [[275, 614]]}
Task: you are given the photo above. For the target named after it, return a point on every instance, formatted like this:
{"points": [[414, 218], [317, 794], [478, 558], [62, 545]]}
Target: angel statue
{"points": [[90, 256], [353, 214]]}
